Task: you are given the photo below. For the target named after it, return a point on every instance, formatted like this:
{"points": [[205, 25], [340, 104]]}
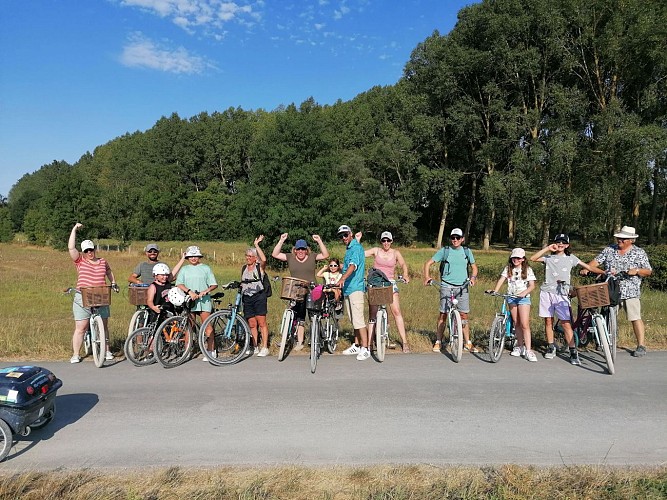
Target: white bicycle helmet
{"points": [[176, 296], [161, 269]]}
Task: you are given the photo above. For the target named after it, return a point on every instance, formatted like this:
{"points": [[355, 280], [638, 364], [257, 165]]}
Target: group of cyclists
{"points": [[193, 279]]}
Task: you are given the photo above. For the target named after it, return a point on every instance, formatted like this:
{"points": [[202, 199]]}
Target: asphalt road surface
{"points": [[414, 408]]}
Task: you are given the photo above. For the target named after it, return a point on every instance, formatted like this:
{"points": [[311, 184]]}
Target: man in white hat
{"points": [[624, 256]]}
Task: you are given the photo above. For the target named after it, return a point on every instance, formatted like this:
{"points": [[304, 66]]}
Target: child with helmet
{"points": [[157, 297]]}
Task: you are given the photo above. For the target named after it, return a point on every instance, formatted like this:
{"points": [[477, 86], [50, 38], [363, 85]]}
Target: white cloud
{"points": [[141, 52]]}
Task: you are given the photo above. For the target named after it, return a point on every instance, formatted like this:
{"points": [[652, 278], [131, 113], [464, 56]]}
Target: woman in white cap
{"points": [[520, 282], [386, 259], [197, 280], [91, 271]]}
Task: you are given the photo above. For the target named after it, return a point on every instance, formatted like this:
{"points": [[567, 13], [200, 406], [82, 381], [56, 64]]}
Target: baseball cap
{"points": [[300, 244], [518, 252], [562, 237], [151, 246], [344, 229], [456, 232], [87, 245], [386, 234]]}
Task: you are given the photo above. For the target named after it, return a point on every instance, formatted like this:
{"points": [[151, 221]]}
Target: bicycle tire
{"points": [[230, 346], [139, 320], [612, 328], [98, 340], [314, 342], [173, 341], [6, 439], [603, 335], [381, 335], [331, 329], [455, 335], [497, 338], [286, 335], [138, 347], [87, 347]]}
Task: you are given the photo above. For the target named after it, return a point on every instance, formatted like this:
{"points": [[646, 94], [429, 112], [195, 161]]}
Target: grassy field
{"points": [[37, 318], [385, 482]]}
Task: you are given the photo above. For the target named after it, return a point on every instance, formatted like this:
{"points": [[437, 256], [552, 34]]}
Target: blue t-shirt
{"points": [[354, 255], [456, 268]]}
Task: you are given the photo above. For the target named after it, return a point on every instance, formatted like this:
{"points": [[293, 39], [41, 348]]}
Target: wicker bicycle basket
{"points": [[596, 295], [294, 289], [380, 295], [138, 295], [96, 296]]}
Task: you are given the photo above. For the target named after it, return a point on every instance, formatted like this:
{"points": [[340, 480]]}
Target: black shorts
{"points": [[299, 310], [254, 305]]}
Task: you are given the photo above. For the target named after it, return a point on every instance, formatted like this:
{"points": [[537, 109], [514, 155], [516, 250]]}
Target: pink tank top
{"points": [[385, 262]]}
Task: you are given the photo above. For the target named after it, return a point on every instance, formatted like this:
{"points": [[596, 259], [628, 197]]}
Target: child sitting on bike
{"points": [[520, 282], [156, 297], [554, 292], [331, 275]]}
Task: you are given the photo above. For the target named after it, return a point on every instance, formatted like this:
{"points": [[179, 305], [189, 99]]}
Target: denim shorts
{"points": [[518, 301]]}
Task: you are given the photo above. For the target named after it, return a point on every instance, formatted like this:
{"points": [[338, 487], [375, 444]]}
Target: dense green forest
{"points": [[528, 118]]}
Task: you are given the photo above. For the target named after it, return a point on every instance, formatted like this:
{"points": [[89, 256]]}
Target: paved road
{"points": [[417, 408]]}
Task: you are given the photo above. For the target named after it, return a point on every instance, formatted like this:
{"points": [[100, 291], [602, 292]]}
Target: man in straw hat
{"points": [[624, 256]]}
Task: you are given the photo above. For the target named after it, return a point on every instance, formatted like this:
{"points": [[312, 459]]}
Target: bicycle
{"points": [[293, 290], [94, 340], [230, 330], [502, 328], [138, 295], [173, 341], [323, 324], [138, 347], [454, 323], [380, 296]]}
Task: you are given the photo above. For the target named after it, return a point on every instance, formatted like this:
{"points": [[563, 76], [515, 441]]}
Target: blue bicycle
{"points": [[502, 328]]}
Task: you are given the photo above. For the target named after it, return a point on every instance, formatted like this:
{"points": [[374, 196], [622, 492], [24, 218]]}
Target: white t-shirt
{"points": [[515, 283]]}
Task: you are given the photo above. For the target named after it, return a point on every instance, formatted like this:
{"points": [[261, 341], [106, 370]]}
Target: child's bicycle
{"points": [[139, 344], [323, 324], [174, 337], [502, 328], [454, 323]]}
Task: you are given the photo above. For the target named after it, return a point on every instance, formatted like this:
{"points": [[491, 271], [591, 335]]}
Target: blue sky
{"points": [[77, 74]]}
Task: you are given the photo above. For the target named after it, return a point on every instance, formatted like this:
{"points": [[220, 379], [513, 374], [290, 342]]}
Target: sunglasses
{"points": [[456, 237], [385, 240], [343, 235], [562, 243], [89, 250], [622, 239], [333, 265], [151, 251]]}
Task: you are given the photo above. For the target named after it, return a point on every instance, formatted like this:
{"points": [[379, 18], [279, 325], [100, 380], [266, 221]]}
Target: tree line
{"points": [[529, 118]]}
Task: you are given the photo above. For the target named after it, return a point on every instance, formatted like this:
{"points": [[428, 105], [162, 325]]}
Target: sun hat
{"points": [[344, 229], [518, 252], [300, 244], [562, 237], [193, 251], [627, 232], [456, 232], [87, 245], [386, 234], [151, 246]]}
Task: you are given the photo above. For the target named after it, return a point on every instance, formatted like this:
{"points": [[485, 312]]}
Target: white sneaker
{"points": [[109, 356], [263, 352], [298, 346], [213, 354], [530, 356], [256, 350], [364, 354], [353, 349], [75, 359], [516, 351]]}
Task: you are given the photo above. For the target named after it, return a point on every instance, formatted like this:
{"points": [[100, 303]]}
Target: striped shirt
{"points": [[91, 273]]}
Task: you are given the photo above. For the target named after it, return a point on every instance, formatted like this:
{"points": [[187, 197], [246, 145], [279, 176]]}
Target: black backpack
{"points": [[443, 262], [264, 278]]}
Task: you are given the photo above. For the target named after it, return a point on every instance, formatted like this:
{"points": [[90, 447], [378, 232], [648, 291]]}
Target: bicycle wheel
{"points": [[138, 347], [173, 341], [497, 338], [612, 328], [6, 439], [331, 331], [230, 341], [98, 340], [381, 334], [603, 335], [139, 320], [455, 335], [286, 334], [314, 342], [87, 347]]}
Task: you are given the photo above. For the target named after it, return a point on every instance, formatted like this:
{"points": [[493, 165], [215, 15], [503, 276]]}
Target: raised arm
{"points": [[71, 243], [324, 253], [539, 256], [177, 268], [277, 253], [260, 253]]}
